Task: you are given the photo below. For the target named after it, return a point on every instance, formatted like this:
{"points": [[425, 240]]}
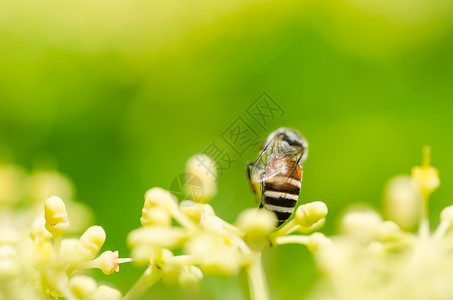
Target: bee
{"points": [[276, 175]]}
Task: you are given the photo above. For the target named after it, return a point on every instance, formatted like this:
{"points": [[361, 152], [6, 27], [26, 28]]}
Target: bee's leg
{"points": [[262, 190], [249, 169]]}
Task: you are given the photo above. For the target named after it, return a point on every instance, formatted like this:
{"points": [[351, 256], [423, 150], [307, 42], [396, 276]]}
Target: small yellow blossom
{"points": [[256, 225], [222, 259], [91, 241], [12, 181], [309, 214], [426, 176], [190, 277], [361, 223], [108, 262], [155, 216], [196, 211], [82, 286], [44, 184], [9, 266], [402, 201], [38, 230], [447, 214], [104, 292], [56, 216], [203, 168], [161, 198]]}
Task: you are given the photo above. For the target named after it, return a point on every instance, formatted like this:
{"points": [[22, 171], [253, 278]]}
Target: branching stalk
{"points": [[151, 275], [257, 280]]}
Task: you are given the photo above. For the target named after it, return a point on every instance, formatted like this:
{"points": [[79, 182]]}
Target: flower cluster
{"points": [[179, 242], [209, 244], [36, 262], [373, 258]]}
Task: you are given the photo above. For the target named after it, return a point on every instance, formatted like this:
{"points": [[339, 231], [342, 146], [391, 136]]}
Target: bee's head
{"points": [[288, 138]]}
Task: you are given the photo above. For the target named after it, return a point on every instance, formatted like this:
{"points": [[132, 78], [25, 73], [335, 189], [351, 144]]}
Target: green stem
{"points": [[151, 275], [287, 228], [257, 281]]}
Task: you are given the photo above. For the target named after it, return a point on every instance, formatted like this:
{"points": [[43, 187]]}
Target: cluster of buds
{"points": [[179, 242], [374, 258], [54, 268], [209, 244], [36, 262]]}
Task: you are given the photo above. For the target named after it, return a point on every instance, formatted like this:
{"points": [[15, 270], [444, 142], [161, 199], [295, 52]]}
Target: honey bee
{"points": [[276, 175]]}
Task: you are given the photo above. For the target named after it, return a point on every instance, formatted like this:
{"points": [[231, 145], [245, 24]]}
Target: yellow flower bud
{"points": [[211, 223], [9, 267], [256, 224], [376, 249], [43, 185], [195, 211], [310, 213], [446, 214], [11, 189], [426, 177], [41, 254], [91, 241], [9, 233], [389, 231], [104, 292], [155, 216], [159, 197], [204, 169], [402, 199], [38, 230], [362, 224], [190, 277], [318, 240], [222, 259], [225, 264], [256, 221], [108, 262], [71, 252], [170, 272], [56, 216], [82, 286]]}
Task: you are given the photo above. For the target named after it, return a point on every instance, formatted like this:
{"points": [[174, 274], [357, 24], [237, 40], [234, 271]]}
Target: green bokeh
{"points": [[120, 94]]}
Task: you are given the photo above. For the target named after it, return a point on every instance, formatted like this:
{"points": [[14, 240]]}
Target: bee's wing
{"points": [[267, 164], [256, 170], [296, 155]]}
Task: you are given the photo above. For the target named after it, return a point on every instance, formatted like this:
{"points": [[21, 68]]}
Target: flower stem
{"points": [[151, 275], [57, 246], [183, 219], [424, 230], [441, 230], [257, 281], [232, 228], [286, 229], [292, 239], [182, 260]]}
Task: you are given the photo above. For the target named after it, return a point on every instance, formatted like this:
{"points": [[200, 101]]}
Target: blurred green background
{"points": [[119, 94]]}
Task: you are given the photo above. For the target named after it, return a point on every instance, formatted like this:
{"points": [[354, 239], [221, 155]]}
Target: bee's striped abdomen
{"points": [[281, 189]]}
